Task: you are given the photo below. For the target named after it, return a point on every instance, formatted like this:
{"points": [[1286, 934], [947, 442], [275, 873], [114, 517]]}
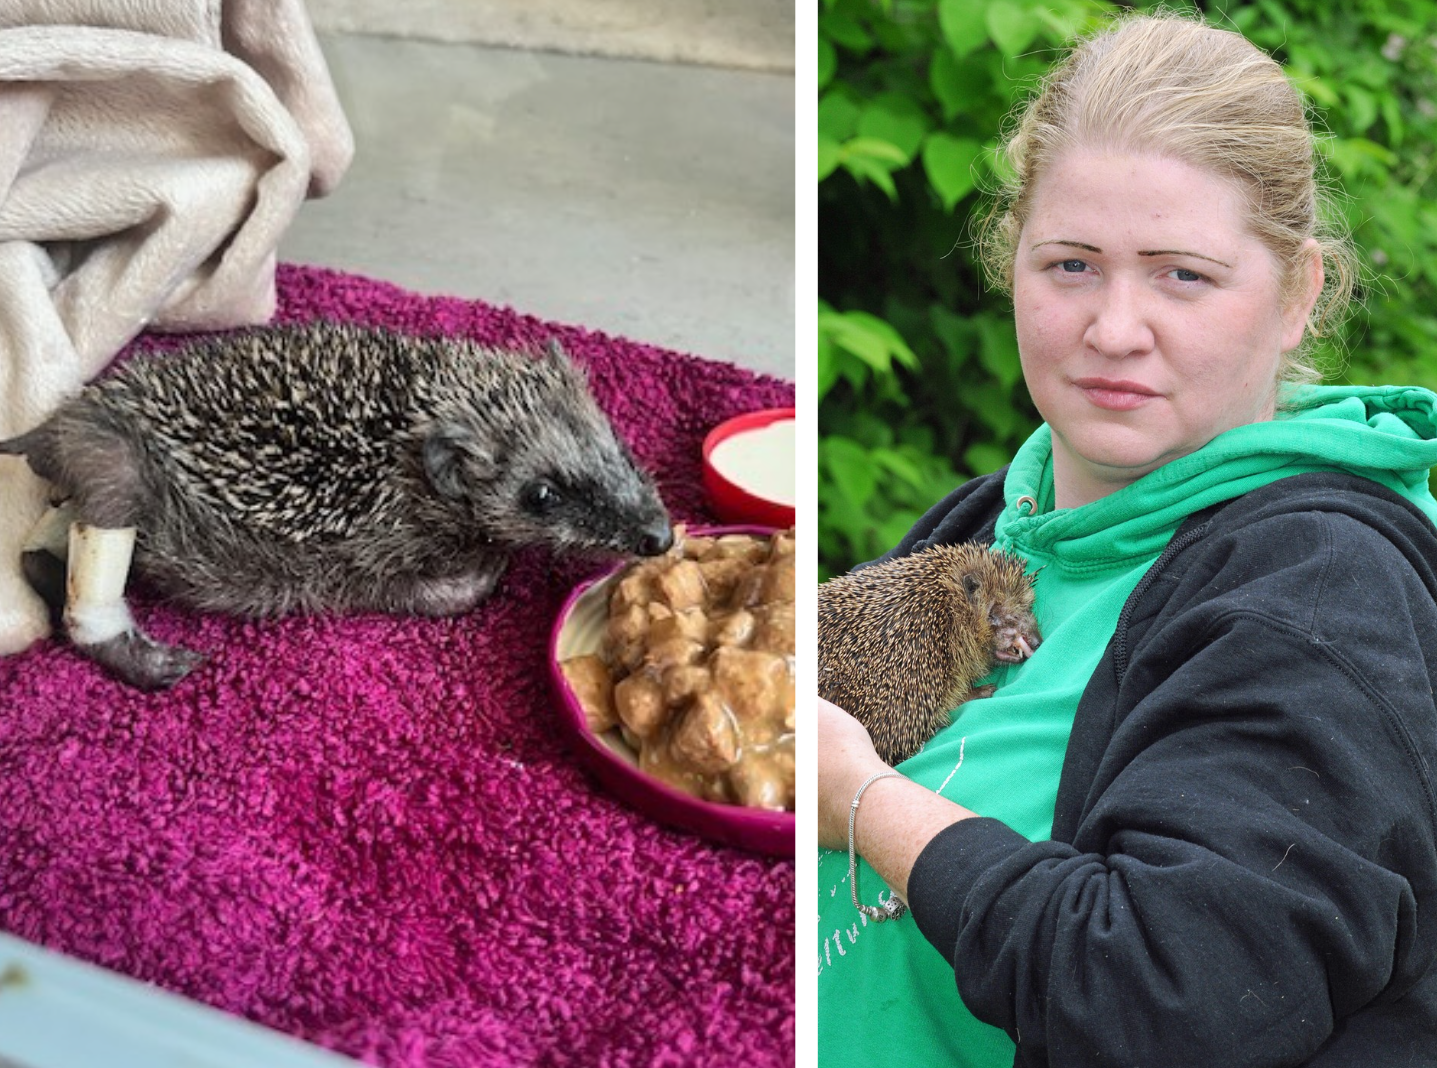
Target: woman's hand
{"points": [[899, 817], [845, 758]]}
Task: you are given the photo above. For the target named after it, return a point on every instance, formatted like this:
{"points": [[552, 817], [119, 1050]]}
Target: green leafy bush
{"points": [[918, 374]]}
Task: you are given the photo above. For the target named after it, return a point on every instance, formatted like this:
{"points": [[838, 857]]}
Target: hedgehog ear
{"points": [[454, 460], [970, 587]]}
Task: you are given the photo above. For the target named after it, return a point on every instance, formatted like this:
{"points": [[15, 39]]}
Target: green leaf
{"points": [[1357, 157], [865, 168], [899, 465], [838, 114], [991, 403], [829, 153], [853, 336], [895, 119], [854, 372], [1243, 19], [998, 348], [827, 62], [1016, 76], [958, 86], [1392, 115], [875, 148], [1317, 89], [892, 530], [996, 163], [1063, 21], [948, 162], [1361, 109], [955, 332], [984, 458], [846, 463], [846, 30], [868, 337], [827, 364], [869, 159], [962, 24], [1011, 27]]}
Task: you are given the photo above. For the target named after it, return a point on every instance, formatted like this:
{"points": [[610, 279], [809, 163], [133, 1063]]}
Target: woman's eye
{"points": [[1073, 266], [1182, 274]]}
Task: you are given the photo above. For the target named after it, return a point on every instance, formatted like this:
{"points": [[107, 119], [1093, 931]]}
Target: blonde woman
{"points": [[1197, 826]]}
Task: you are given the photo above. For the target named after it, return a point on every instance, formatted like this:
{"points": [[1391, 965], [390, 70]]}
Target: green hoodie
{"points": [[884, 994]]}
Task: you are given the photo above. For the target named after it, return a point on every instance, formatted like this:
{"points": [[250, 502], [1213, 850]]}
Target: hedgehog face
{"points": [[1015, 629], [1006, 595], [577, 511], [540, 464]]}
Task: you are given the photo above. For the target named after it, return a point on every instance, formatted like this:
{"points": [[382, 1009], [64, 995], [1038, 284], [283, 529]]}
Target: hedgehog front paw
{"points": [[454, 595], [139, 660]]}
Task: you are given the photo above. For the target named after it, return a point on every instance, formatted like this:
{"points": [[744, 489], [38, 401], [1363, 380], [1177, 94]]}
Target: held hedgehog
{"points": [[322, 468], [901, 643]]}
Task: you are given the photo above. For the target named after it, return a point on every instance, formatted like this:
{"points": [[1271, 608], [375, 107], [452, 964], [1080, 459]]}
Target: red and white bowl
{"points": [[580, 629], [749, 468]]}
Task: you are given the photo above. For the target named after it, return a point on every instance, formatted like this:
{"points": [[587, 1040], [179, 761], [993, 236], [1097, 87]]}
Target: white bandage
{"points": [[95, 609], [90, 624]]}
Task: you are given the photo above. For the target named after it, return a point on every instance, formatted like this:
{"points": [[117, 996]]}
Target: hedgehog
{"points": [[328, 468], [901, 643]]}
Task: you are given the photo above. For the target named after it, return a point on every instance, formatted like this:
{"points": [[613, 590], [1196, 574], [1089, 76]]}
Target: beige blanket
{"points": [[152, 154]]}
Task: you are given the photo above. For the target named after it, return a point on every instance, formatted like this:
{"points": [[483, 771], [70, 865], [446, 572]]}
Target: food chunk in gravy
{"points": [[697, 668]]}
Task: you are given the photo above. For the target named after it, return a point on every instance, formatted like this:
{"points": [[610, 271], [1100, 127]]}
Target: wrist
{"points": [[894, 907], [837, 787], [877, 782]]}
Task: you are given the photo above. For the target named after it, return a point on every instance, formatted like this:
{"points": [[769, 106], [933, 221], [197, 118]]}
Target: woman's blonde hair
{"points": [[1171, 85]]}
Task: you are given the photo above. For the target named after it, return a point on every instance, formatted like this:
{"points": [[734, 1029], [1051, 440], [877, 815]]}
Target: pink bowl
{"points": [[731, 501], [578, 630]]}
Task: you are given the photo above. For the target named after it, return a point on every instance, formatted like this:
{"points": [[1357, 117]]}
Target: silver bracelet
{"points": [[885, 910]]}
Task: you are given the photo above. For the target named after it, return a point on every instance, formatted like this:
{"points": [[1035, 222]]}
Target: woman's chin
{"points": [[1130, 453]]}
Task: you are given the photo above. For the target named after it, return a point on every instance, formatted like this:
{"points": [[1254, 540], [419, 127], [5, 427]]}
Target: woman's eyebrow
{"points": [[1153, 252], [1073, 244], [1180, 252]]}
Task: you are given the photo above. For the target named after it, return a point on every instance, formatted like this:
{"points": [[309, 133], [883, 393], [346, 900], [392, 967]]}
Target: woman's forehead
{"points": [[1137, 203]]}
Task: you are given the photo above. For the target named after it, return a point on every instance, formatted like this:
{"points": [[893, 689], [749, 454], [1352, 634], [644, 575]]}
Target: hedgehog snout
{"points": [[656, 540], [1013, 644]]}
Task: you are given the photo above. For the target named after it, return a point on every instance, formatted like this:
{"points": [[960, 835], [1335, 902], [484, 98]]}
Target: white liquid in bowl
{"points": [[760, 460]]}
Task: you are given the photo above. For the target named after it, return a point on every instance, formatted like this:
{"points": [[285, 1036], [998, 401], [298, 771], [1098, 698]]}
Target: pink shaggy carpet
{"points": [[370, 832]]}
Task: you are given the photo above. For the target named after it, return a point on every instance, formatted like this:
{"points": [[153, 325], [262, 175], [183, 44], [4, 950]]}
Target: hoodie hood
{"points": [[1385, 433]]}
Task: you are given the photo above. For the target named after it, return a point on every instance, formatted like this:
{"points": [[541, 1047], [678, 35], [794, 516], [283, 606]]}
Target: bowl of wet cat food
{"points": [[674, 677], [749, 468]]}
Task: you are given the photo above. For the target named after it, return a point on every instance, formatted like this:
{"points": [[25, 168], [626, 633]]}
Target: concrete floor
{"points": [[650, 201]]}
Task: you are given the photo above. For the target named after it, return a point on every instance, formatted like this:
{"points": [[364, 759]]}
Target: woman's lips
{"points": [[1115, 395]]}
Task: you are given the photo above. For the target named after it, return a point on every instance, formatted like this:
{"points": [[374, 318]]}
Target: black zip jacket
{"points": [[1243, 869]]}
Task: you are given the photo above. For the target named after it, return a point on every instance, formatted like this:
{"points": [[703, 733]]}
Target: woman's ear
{"points": [[1297, 315]]}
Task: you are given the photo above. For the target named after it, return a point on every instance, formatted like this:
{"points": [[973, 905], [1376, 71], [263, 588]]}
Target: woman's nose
{"points": [[1121, 325]]}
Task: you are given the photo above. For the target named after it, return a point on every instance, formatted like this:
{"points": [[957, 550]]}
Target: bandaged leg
{"points": [[98, 620]]}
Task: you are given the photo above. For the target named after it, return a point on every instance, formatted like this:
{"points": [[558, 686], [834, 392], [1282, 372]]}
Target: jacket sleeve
{"points": [[1257, 844]]}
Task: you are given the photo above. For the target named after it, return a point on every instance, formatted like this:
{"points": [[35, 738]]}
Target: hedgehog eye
{"points": [[540, 497]]}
